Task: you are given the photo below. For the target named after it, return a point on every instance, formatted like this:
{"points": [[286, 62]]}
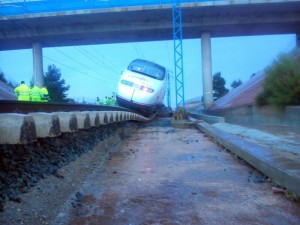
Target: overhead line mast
{"points": [[178, 55]]}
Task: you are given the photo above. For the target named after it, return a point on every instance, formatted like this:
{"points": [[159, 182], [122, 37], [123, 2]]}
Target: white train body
{"points": [[142, 86]]}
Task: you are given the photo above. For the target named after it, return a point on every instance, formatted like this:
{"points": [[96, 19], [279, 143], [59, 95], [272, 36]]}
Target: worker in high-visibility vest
{"points": [[106, 101], [45, 94], [113, 101], [23, 92], [36, 94], [97, 101]]}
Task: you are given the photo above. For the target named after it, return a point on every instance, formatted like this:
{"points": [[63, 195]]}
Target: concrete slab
{"points": [[276, 142], [114, 117], [67, 121], [262, 158], [94, 118], [83, 120], [122, 115], [208, 118], [47, 124], [104, 117], [17, 128]]}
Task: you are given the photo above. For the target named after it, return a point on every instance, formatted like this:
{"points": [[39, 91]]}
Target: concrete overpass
{"points": [[149, 23]]}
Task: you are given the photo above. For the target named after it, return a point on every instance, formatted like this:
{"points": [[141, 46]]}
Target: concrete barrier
{"points": [[67, 122], [47, 124], [17, 129]]}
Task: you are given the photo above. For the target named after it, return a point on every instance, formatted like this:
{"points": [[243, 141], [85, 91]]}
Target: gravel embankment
{"points": [[36, 179]]}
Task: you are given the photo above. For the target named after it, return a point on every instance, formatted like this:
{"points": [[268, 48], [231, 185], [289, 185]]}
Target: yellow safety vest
{"points": [[106, 101], [45, 94], [23, 92], [36, 94]]}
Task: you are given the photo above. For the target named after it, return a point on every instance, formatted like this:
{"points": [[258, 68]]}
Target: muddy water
{"points": [[173, 176]]}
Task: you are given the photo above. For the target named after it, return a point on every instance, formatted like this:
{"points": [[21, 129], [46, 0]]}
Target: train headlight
{"points": [[126, 82], [147, 89]]}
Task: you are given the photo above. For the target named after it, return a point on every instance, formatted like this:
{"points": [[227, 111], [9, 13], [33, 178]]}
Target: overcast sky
{"points": [[93, 71]]}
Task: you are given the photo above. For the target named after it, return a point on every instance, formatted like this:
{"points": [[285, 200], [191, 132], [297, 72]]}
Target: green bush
{"points": [[282, 82]]}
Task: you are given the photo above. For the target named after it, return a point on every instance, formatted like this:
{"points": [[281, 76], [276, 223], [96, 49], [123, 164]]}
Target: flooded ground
{"points": [[168, 176]]}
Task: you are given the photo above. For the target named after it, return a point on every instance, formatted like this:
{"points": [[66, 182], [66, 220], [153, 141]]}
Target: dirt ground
{"points": [[161, 175]]}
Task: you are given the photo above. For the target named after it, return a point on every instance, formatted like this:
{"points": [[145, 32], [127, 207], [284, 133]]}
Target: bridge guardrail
{"points": [[10, 8]]}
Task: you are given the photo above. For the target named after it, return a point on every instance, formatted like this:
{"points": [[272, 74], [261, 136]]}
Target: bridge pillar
{"points": [[206, 70], [38, 75]]}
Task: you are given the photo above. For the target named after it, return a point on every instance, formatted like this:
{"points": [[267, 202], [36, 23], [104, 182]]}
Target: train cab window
{"points": [[147, 68]]}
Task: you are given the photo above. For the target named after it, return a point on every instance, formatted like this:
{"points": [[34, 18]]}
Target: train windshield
{"points": [[147, 68]]}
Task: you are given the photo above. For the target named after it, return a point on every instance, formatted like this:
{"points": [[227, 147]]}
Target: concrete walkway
{"points": [[278, 139], [275, 156]]}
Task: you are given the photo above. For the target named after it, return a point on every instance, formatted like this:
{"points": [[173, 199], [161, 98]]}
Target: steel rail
{"points": [[9, 106]]}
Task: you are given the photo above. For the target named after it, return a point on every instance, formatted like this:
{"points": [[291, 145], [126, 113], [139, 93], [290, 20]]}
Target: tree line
{"points": [[219, 89], [281, 85]]}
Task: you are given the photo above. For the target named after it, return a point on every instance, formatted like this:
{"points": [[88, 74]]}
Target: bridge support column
{"points": [[206, 70], [38, 75]]}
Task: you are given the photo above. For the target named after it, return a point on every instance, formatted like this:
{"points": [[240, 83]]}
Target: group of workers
{"points": [[35, 94], [107, 101]]}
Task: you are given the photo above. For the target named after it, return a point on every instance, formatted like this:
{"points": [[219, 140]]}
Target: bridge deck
{"points": [[145, 22]]}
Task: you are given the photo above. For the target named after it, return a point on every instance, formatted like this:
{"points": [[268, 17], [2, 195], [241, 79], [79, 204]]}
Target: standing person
{"points": [[45, 94], [23, 92], [36, 94], [113, 100], [105, 101], [97, 101]]}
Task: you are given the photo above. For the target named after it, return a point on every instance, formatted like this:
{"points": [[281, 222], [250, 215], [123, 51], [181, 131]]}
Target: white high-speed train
{"points": [[142, 86]]}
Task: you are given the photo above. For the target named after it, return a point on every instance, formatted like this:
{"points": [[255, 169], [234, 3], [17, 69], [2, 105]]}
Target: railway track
{"points": [[9, 106], [24, 122]]}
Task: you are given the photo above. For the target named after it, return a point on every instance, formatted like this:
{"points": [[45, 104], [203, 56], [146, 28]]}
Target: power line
{"points": [[80, 63], [140, 50], [108, 61], [96, 78], [94, 58], [168, 53], [137, 52]]}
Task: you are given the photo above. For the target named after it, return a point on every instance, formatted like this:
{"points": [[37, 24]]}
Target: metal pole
{"points": [[178, 55], [169, 91]]}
